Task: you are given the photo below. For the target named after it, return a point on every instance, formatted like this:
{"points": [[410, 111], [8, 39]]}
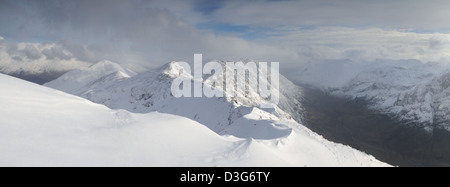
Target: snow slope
{"points": [[44, 127], [414, 92], [98, 73], [416, 95], [151, 91], [335, 74]]}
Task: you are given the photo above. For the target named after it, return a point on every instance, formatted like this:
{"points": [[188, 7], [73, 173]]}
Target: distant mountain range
{"points": [[414, 92], [45, 127]]}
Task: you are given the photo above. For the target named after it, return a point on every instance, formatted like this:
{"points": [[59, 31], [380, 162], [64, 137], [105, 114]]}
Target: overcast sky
{"points": [[145, 34]]}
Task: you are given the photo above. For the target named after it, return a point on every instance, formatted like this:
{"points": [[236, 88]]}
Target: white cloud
{"points": [[143, 35], [139, 36], [363, 44], [36, 58], [56, 53]]}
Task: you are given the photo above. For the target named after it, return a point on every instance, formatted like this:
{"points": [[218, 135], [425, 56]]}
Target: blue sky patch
{"points": [[244, 32]]}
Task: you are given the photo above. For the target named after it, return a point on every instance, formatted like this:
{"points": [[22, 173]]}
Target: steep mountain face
{"points": [[413, 92], [151, 91], [45, 127], [335, 74], [416, 95], [38, 78], [353, 123], [395, 110]]}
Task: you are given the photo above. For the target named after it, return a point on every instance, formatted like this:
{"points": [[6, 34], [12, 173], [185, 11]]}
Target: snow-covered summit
{"points": [[78, 79], [174, 70], [151, 91], [45, 127]]}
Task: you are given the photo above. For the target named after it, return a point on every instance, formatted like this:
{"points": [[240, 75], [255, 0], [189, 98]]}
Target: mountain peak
{"points": [[175, 69], [104, 63], [108, 66], [75, 80], [73, 125]]}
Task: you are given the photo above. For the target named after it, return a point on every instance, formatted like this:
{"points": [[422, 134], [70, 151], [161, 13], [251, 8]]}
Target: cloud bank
{"points": [[399, 14], [145, 34], [36, 58]]}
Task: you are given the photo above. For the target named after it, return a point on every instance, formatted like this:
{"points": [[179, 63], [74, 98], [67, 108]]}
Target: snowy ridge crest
{"points": [[79, 80], [150, 91], [103, 137]]}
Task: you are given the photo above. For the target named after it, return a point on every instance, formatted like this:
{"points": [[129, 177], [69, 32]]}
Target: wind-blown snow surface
{"points": [[44, 127]]}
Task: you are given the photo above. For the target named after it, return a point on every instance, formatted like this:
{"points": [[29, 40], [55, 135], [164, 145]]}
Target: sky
{"points": [[139, 34]]}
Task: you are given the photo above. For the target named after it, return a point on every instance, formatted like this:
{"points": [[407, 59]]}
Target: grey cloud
{"points": [[142, 34], [78, 50], [18, 19], [362, 44], [139, 34], [12, 49], [406, 14], [146, 34], [56, 53], [437, 43], [354, 54], [123, 31], [36, 58], [31, 52], [17, 58]]}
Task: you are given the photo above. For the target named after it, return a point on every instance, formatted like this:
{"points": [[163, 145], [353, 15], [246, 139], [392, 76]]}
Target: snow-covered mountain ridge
{"points": [[45, 127], [151, 91], [414, 92]]}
